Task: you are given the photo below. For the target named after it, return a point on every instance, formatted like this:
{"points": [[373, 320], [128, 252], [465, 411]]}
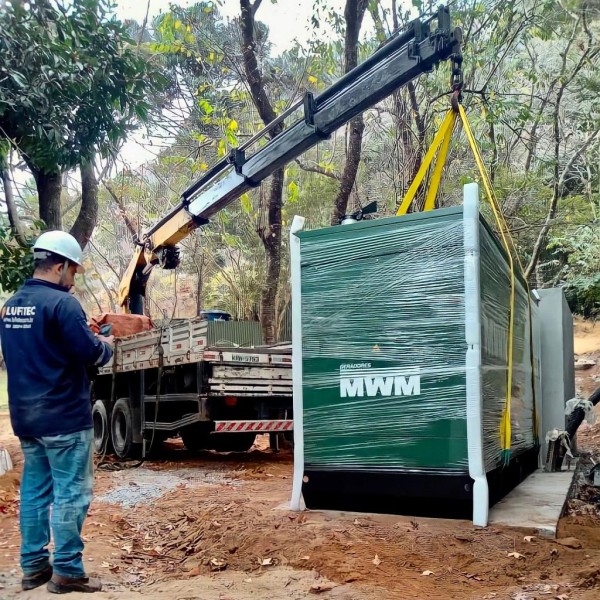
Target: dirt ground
{"points": [[217, 527]]}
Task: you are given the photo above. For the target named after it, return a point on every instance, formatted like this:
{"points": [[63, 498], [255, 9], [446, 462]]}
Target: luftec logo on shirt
{"points": [[18, 317], [358, 380]]}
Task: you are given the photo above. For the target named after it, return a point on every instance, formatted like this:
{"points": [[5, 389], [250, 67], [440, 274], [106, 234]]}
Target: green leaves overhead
{"points": [[16, 260], [72, 82]]}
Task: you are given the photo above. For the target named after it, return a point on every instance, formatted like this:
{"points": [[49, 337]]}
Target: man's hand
{"points": [[110, 340]]}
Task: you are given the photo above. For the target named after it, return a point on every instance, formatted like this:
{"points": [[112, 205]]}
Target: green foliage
{"points": [[71, 84], [576, 258], [513, 67], [16, 260]]}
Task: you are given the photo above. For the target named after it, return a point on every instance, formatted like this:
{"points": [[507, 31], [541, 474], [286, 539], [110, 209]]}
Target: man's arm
{"points": [[81, 344]]}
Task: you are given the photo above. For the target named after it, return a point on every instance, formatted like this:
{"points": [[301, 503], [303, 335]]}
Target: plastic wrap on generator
{"points": [[495, 303], [384, 345]]}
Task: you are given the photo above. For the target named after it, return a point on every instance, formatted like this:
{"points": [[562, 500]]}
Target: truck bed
{"points": [[256, 371]]}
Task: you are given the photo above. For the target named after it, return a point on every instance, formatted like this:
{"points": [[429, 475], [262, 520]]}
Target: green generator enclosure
{"points": [[401, 361]]}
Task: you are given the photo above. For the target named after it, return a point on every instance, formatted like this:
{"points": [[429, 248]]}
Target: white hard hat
{"points": [[60, 243]]}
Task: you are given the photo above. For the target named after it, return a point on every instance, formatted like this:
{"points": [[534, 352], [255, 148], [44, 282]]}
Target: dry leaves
{"points": [[217, 564]]}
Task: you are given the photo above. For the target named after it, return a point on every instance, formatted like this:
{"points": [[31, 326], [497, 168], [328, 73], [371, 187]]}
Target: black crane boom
{"points": [[404, 57]]}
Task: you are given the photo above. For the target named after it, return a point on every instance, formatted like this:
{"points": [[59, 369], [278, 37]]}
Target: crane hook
{"points": [[456, 81]]}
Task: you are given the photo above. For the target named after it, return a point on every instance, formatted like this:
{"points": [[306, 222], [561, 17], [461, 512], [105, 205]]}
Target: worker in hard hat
{"points": [[47, 347]]}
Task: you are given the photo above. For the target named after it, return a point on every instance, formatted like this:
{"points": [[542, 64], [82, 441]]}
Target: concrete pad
{"points": [[537, 503]]}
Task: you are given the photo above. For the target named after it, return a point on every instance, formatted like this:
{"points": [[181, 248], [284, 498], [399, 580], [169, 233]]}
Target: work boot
{"points": [[30, 582], [63, 585]]}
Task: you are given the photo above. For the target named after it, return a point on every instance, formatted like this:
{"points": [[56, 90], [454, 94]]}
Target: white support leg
{"points": [[297, 502], [477, 470]]}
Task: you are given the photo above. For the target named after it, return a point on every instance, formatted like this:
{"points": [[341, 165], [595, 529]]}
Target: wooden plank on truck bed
{"points": [[255, 389], [185, 341], [233, 371]]}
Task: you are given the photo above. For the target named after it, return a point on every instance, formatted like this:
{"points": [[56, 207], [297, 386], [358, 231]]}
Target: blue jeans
{"points": [[58, 471]]}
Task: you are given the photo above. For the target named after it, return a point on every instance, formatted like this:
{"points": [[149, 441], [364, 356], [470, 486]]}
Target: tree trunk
{"points": [[49, 188], [356, 127], [269, 232], [88, 213], [199, 294], [353, 13], [200, 281], [11, 206], [271, 238], [403, 123]]}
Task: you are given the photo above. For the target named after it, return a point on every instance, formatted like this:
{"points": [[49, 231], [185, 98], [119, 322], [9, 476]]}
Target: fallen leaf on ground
{"points": [[217, 564]]}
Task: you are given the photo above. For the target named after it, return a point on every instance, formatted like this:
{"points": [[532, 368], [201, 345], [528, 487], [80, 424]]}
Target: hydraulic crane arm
{"points": [[417, 50]]}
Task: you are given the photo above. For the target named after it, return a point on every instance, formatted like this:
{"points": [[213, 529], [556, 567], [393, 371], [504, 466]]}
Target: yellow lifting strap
{"points": [[441, 141], [442, 137]]}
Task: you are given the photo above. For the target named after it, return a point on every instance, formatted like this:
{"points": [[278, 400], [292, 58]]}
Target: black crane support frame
{"points": [[403, 58]]}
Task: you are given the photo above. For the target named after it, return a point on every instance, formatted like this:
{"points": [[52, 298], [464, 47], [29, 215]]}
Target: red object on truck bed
{"points": [[122, 325]]}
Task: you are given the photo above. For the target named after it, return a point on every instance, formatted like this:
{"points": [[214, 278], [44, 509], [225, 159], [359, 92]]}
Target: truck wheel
{"points": [[121, 430], [195, 437], [102, 444], [231, 442]]}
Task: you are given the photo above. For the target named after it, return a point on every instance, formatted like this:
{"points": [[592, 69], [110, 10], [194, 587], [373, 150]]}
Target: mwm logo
{"points": [[358, 383]]}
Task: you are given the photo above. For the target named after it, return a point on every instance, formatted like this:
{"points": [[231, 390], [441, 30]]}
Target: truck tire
{"points": [[102, 443], [121, 430], [231, 442], [195, 437]]}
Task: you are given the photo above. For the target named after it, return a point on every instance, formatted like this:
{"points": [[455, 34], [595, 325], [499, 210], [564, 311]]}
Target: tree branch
{"points": [[255, 7], [11, 206], [119, 202], [318, 169], [556, 195]]}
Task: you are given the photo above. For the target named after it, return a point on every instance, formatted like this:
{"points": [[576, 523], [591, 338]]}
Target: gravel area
{"points": [[143, 486]]}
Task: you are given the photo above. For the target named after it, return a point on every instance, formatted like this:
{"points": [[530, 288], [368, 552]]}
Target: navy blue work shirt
{"points": [[47, 347]]}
